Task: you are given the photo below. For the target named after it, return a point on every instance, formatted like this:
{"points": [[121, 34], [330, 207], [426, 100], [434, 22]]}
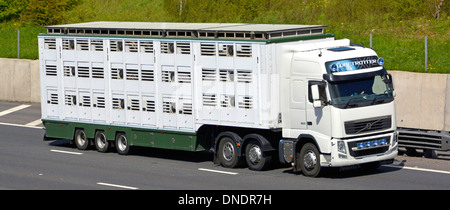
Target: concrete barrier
{"points": [[423, 100], [447, 105], [20, 80]]}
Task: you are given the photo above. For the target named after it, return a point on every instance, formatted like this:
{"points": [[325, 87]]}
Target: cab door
{"points": [[297, 103], [293, 96]]}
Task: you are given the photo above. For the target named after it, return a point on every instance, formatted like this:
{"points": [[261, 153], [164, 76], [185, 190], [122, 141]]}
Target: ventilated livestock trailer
{"points": [[231, 88]]}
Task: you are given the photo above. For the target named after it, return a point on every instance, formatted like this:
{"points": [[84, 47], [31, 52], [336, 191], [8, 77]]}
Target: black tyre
{"points": [[228, 153], [122, 144], [81, 140], [255, 158], [100, 141], [309, 160]]}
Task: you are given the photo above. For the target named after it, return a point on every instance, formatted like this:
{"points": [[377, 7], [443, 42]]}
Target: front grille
{"points": [[368, 125]]}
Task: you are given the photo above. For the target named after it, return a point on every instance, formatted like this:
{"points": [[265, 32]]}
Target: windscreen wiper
{"points": [[352, 99], [375, 99]]}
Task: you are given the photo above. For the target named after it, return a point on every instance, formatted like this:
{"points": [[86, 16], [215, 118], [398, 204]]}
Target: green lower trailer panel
{"points": [[165, 139]]}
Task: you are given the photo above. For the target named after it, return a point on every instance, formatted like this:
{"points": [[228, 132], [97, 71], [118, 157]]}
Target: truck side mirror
{"points": [[316, 96], [390, 82]]}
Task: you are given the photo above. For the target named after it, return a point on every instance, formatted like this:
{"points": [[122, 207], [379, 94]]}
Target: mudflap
{"points": [[46, 138]]}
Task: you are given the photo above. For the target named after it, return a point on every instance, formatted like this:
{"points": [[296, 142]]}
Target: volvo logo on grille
{"points": [[368, 126]]}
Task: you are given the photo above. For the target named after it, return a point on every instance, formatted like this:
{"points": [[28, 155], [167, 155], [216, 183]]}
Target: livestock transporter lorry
{"points": [[250, 93]]}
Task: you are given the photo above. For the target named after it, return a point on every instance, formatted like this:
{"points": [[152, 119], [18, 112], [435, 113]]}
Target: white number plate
{"points": [[369, 159]]}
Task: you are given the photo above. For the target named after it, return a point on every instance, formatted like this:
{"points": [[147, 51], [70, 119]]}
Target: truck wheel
{"points": [[228, 152], [100, 141], [309, 160], [122, 144], [255, 158], [81, 140]]}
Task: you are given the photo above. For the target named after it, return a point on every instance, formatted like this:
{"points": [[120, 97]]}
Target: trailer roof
{"points": [[188, 30]]}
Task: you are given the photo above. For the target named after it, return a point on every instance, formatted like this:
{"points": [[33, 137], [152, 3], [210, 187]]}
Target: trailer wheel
{"points": [[228, 152], [81, 140], [122, 144], [100, 141], [309, 160], [255, 158]]}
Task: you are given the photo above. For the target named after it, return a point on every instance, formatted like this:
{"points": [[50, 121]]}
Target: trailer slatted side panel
{"points": [[160, 84]]}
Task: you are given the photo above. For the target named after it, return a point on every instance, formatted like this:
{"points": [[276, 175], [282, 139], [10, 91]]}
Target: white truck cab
{"points": [[337, 107]]}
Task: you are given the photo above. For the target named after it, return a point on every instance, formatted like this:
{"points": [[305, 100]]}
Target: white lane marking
{"points": [[66, 152], [217, 171], [14, 109], [34, 123], [18, 125], [118, 186], [418, 169]]}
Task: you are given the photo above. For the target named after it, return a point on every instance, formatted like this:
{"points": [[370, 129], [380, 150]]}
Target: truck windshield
{"points": [[362, 92]]}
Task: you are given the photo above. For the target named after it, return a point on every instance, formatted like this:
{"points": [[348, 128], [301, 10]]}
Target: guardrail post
{"points": [[18, 43], [426, 54]]}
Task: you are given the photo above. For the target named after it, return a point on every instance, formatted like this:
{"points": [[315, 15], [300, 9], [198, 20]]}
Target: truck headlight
{"points": [[394, 141], [341, 147]]}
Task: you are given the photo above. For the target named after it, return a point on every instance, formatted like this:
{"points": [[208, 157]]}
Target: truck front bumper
{"points": [[382, 148]]}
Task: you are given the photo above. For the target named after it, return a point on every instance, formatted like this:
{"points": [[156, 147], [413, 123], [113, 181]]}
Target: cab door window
{"points": [[322, 91]]}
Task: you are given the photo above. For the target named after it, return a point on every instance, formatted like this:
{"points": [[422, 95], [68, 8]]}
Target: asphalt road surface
{"points": [[27, 162]]}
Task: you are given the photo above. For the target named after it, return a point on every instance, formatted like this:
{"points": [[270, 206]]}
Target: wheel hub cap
{"points": [[101, 141], [122, 143], [81, 139], [310, 160], [228, 151], [255, 154]]}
